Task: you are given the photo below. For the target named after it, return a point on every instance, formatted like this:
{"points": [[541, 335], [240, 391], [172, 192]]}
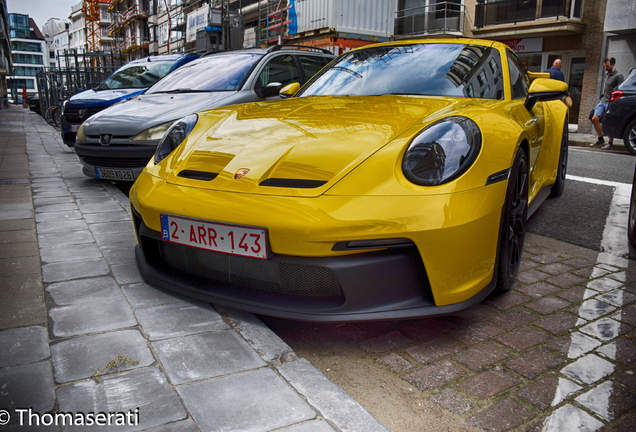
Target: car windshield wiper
{"points": [[182, 90]]}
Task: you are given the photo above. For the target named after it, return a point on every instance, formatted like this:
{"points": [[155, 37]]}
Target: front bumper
{"points": [[117, 157], [451, 266]]}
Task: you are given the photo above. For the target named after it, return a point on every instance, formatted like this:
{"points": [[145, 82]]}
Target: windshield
{"points": [[215, 73], [137, 75], [453, 70]]}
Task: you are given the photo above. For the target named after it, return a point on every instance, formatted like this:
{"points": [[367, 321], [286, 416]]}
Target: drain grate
{"points": [[13, 181]]}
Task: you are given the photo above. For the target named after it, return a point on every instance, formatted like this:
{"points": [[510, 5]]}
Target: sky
{"points": [[42, 10]]}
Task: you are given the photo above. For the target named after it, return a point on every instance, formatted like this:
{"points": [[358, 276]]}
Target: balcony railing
{"points": [[513, 11], [437, 18]]}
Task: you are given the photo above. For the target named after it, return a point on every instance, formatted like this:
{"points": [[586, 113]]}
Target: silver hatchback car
{"points": [[118, 142]]}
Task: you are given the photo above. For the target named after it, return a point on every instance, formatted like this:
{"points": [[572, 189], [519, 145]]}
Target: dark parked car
{"points": [[34, 103], [620, 119], [117, 143], [128, 81]]}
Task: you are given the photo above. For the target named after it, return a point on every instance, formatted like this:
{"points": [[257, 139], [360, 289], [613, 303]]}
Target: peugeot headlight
{"points": [[154, 133], [442, 152], [175, 136], [80, 134]]}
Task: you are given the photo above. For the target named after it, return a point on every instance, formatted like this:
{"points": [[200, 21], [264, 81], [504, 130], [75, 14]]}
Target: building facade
{"points": [[28, 52], [5, 52]]}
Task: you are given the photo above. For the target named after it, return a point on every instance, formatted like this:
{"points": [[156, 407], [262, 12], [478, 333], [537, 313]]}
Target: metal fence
{"points": [[75, 73]]}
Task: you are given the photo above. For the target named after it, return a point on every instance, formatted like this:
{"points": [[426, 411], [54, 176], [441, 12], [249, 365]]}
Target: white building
{"points": [[50, 30]]}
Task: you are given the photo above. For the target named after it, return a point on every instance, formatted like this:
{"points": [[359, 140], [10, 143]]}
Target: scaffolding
{"points": [[124, 15], [273, 20], [92, 24]]}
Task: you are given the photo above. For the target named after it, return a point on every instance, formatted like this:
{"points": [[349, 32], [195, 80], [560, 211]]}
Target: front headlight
{"points": [[80, 134], [154, 133], [442, 152], [175, 136]]}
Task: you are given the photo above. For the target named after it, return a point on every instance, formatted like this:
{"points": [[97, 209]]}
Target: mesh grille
{"points": [[72, 114], [263, 275], [116, 162]]}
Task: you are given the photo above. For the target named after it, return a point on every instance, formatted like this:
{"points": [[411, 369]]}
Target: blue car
{"points": [[128, 81]]}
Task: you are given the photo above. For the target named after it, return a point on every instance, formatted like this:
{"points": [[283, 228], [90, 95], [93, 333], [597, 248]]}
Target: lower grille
{"points": [[115, 162], [72, 115], [262, 275]]}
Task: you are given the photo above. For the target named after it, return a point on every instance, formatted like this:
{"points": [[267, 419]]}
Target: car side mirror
{"points": [[289, 90], [271, 89], [545, 89]]}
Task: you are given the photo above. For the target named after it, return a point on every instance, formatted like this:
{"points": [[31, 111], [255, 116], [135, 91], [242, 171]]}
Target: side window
{"points": [[281, 69], [518, 77], [311, 65]]}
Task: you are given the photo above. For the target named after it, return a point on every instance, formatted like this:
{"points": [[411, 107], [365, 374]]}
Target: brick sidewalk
{"points": [[556, 353]]}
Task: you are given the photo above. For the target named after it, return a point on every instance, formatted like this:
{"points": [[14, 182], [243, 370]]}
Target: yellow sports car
{"points": [[396, 183]]}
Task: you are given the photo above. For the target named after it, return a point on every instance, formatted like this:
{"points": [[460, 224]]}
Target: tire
{"points": [[50, 113], [559, 184], [513, 224], [629, 137], [57, 116], [631, 221]]}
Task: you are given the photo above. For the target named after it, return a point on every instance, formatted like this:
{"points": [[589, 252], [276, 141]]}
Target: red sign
{"points": [[525, 45]]}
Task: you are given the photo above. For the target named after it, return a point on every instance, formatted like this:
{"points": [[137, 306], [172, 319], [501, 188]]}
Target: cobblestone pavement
{"points": [[73, 303], [556, 353]]}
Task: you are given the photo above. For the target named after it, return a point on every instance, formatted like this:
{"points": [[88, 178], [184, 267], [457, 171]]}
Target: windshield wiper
{"points": [[182, 90]]}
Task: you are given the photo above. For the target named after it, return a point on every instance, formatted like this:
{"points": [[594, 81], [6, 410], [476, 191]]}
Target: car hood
{"points": [[298, 147], [145, 111], [101, 98]]}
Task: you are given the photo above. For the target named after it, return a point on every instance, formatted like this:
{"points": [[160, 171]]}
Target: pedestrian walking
{"points": [[611, 80], [555, 71]]}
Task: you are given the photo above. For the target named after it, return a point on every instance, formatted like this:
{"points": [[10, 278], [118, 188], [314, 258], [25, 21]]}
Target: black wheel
{"points": [[631, 222], [513, 223], [629, 137], [57, 116], [559, 184], [50, 113]]}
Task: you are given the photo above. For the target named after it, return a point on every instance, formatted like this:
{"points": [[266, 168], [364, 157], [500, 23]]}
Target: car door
{"points": [[533, 121]]}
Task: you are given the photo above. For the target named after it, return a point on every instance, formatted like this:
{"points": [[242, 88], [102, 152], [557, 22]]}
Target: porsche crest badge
{"points": [[240, 173]]}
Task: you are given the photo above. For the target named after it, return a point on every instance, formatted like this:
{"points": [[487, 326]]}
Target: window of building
{"points": [[26, 46], [28, 58], [19, 26], [19, 83], [26, 70]]}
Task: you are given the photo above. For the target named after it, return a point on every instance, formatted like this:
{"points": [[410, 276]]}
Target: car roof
{"points": [[275, 48], [462, 41], [165, 57]]}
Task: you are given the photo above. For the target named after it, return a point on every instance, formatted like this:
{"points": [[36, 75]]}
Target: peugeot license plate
{"points": [[114, 174], [74, 128], [214, 236]]}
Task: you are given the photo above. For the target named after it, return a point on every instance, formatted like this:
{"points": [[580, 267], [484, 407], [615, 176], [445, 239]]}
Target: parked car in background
{"points": [[130, 80], [620, 119], [34, 103], [117, 143], [395, 184]]}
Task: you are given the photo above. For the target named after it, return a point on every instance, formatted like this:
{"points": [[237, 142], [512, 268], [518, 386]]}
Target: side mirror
{"points": [[289, 90], [545, 89], [271, 89]]}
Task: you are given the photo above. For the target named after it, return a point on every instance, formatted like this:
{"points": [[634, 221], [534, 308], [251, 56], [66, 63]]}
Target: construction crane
{"points": [[92, 24]]}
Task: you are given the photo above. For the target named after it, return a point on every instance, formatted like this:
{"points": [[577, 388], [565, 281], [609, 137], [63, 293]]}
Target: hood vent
{"points": [[292, 183], [198, 175]]}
